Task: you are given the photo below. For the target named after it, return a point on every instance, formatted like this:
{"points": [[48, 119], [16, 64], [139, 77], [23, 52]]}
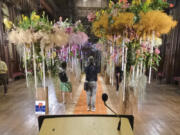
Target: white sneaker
{"points": [[93, 109], [88, 109]]}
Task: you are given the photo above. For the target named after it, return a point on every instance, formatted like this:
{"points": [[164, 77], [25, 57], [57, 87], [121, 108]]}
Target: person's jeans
{"points": [[117, 83], [118, 80], [91, 94], [4, 81]]}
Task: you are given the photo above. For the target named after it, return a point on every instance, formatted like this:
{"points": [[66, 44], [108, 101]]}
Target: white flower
{"points": [[157, 42], [13, 37], [59, 37]]}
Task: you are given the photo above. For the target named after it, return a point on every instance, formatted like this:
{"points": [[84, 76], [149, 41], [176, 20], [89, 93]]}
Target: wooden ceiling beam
{"points": [[46, 6]]}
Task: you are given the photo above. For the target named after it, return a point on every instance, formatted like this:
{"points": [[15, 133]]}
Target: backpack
{"points": [[63, 77]]}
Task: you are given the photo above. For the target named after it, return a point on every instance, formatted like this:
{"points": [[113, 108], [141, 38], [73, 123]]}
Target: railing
{"points": [[83, 11]]}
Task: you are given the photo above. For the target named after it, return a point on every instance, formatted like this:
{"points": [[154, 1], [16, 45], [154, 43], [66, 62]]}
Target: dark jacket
{"points": [[91, 73], [63, 77], [119, 70]]}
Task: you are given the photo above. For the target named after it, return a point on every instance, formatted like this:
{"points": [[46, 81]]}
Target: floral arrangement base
{"points": [[42, 95]]}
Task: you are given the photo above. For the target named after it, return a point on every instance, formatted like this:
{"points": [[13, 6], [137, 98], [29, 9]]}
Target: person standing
{"points": [[119, 76], [91, 77], [3, 75], [65, 85]]}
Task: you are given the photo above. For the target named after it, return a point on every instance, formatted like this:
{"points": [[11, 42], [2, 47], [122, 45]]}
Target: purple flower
{"points": [[149, 49]]}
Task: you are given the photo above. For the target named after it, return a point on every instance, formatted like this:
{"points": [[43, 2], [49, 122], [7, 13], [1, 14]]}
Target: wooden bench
{"points": [[160, 76], [177, 79], [17, 74]]}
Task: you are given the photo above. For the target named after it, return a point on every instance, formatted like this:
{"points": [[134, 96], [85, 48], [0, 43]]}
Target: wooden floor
{"points": [[159, 113], [81, 106], [17, 115]]}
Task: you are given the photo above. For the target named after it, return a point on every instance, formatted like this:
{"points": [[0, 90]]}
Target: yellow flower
{"points": [[102, 11], [54, 54], [111, 4], [122, 21], [136, 2], [156, 21], [148, 2], [20, 22], [25, 18], [97, 14], [100, 26], [8, 23], [35, 17]]}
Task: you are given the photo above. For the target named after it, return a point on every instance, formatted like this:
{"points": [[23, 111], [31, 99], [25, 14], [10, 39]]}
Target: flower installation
{"points": [[131, 32], [129, 36], [41, 38], [72, 52]]}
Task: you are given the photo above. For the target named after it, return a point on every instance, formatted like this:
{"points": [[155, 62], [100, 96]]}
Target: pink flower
{"points": [[143, 45], [83, 37], [69, 30], [91, 17], [157, 51], [127, 40], [171, 5], [124, 1], [117, 37], [99, 46], [125, 5]]}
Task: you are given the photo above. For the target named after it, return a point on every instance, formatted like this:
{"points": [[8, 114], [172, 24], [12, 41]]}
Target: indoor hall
{"points": [[89, 67]]}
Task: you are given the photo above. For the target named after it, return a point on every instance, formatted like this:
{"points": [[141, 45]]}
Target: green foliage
{"points": [[35, 22], [131, 54], [135, 56], [53, 68], [159, 5], [79, 27], [145, 7], [152, 60]]}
